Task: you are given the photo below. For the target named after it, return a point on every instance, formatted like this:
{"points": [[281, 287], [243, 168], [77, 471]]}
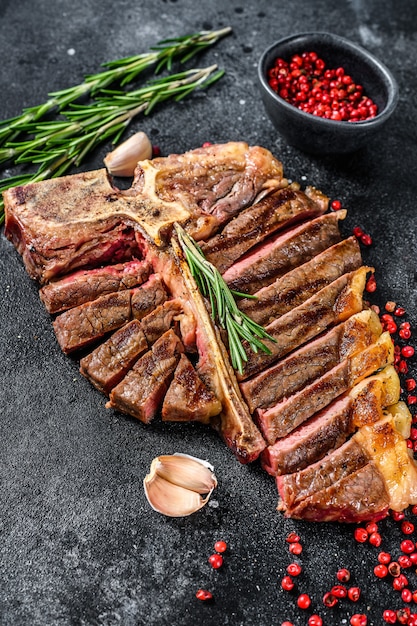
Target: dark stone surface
{"points": [[79, 545]]}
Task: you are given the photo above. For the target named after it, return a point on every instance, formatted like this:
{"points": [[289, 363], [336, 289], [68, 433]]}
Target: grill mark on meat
{"points": [[105, 366], [87, 285], [148, 296], [156, 323], [84, 324], [331, 305], [188, 399], [279, 420], [254, 224], [283, 252], [141, 391], [311, 360], [296, 286], [362, 495], [320, 434]]}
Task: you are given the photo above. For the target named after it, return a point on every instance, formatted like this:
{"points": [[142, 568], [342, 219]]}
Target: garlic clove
{"points": [[187, 471], [176, 484], [123, 159]]}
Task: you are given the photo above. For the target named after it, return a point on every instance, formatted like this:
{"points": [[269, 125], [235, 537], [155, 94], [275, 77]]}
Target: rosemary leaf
{"points": [[224, 309]]}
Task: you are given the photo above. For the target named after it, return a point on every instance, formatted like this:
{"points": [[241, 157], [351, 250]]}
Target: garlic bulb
{"points": [[122, 160], [179, 484]]}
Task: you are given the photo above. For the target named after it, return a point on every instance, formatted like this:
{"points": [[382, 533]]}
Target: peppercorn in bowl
{"points": [[325, 94]]}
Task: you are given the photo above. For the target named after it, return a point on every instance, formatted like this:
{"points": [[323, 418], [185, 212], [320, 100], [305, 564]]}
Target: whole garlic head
{"points": [[122, 160], [178, 484]]}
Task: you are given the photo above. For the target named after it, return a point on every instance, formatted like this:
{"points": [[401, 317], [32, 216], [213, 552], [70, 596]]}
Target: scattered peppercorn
{"points": [[220, 546], [303, 601], [215, 560], [203, 594], [343, 575]]}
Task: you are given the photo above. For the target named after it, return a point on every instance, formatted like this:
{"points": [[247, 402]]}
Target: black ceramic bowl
{"points": [[318, 135]]}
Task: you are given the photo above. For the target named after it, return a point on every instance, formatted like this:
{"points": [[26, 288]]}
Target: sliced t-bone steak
{"points": [[294, 487], [281, 253], [82, 220], [311, 361], [363, 404], [296, 286], [84, 324], [158, 321], [87, 285], [252, 225], [109, 362], [141, 391], [279, 420], [331, 305], [188, 398]]}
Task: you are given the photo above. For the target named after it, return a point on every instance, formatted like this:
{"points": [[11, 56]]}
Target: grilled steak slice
{"points": [[320, 434], [158, 321], [109, 363], [359, 496], [84, 324], [281, 253], [87, 323], [331, 305], [87, 285], [286, 415], [215, 180], [294, 487], [254, 224], [296, 286], [311, 361], [142, 390], [329, 428], [188, 398]]}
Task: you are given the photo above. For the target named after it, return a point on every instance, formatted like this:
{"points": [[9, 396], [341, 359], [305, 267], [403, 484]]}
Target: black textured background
{"points": [[79, 545]]}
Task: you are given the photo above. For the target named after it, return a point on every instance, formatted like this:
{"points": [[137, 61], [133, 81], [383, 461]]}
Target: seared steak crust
{"points": [[322, 433], [188, 398], [84, 324], [294, 487], [331, 305], [109, 363], [158, 321], [362, 495], [296, 286], [87, 285], [254, 224], [142, 390], [311, 361], [281, 253]]}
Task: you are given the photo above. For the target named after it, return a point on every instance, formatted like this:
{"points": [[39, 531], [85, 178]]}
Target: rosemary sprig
{"points": [[222, 302], [56, 145], [123, 71]]}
